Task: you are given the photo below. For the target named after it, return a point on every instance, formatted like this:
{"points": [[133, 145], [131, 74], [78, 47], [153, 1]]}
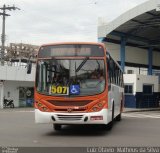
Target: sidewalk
{"points": [[27, 109], [127, 110]]}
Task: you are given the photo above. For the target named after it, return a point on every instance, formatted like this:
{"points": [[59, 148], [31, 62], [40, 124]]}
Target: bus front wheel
{"points": [[57, 127]]}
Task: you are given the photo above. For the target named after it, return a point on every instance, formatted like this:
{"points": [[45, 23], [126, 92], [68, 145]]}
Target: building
{"points": [[141, 91], [15, 83], [133, 40]]}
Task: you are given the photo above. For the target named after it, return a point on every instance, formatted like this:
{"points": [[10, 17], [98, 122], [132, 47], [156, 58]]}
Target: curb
{"points": [[142, 110]]}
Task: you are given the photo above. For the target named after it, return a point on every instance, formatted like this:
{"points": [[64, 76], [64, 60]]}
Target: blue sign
{"points": [[74, 89], [29, 101]]}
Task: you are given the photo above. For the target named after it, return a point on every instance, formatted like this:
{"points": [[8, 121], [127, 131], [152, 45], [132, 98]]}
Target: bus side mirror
{"points": [[29, 67]]}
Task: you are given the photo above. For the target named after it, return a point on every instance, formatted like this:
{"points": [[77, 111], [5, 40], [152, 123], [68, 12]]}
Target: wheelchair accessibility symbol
{"points": [[74, 89]]}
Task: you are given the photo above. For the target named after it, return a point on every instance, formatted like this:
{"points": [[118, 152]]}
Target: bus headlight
{"points": [[41, 106], [95, 109], [98, 106], [44, 108]]}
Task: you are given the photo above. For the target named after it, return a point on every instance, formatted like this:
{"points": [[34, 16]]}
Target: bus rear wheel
{"points": [[57, 127], [119, 117], [110, 125]]}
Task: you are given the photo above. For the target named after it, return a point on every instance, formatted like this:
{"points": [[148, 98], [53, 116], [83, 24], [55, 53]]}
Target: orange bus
{"points": [[77, 83]]}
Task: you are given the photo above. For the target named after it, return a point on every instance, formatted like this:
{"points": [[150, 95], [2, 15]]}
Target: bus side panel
{"points": [[110, 103], [114, 98]]}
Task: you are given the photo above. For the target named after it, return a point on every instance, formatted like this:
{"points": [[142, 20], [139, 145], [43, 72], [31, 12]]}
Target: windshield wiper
{"points": [[81, 65]]}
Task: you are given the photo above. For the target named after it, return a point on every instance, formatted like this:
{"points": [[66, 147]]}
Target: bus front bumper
{"points": [[72, 118]]}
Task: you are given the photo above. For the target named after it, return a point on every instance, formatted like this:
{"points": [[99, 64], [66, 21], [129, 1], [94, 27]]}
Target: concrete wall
{"points": [[136, 55], [1, 94], [133, 54], [148, 80], [138, 99], [130, 79], [18, 73], [156, 58], [139, 80], [114, 50], [12, 78], [12, 87], [142, 71]]}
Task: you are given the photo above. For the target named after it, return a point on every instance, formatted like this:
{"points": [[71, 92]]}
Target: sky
{"points": [[47, 21]]}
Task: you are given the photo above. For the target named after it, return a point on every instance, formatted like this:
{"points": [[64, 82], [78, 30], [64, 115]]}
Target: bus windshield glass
{"points": [[70, 77], [71, 50]]}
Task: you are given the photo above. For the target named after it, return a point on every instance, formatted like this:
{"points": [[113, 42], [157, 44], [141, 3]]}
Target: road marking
{"points": [[138, 115]]}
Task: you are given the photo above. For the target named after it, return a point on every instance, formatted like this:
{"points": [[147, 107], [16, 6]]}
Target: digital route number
{"points": [[59, 90]]}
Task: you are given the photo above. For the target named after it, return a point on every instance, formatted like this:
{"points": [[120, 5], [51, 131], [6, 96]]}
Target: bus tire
{"points": [[110, 124], [119, 117], [57, 127]]}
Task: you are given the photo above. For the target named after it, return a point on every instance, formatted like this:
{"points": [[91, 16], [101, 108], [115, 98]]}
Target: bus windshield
{"points": [[70, 77]]}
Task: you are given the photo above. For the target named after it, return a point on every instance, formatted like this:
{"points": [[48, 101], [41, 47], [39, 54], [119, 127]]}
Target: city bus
{"points": [[77, 83]]}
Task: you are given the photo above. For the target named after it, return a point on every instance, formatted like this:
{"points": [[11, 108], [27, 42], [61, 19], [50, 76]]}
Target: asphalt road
{"points": [[17, 128]]}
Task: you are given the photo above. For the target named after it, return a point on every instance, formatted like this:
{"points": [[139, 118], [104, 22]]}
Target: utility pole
{"points": [[4, 8]]}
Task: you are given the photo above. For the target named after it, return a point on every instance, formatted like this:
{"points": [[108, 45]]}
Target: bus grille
{"points": [[73, 110], [69, 103], [69, 117]]}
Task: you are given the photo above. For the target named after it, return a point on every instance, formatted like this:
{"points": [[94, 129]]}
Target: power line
{"points": [[4, 8]]}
